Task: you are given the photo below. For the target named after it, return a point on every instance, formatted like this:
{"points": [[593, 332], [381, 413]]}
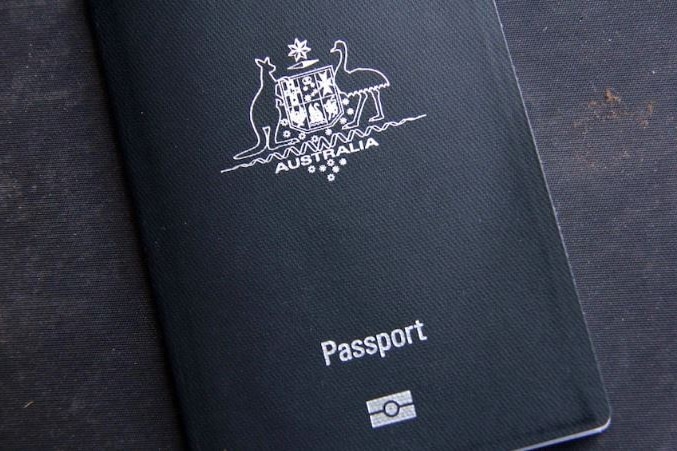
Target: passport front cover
{"points": [[347, 228]]}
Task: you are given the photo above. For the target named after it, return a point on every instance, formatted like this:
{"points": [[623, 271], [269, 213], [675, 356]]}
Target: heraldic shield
{"points": [[311, 100]]}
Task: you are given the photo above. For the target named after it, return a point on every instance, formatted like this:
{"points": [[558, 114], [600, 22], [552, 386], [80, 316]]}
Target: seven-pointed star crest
{"points": [[299, 50]]}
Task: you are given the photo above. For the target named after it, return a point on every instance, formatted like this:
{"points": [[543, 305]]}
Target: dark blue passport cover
{"points": [[347, 228]]}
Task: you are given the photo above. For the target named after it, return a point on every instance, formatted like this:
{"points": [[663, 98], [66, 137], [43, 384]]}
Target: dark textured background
{"points": [[81, 361]]}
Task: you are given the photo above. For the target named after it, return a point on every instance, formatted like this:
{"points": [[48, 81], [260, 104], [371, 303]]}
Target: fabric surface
{"points": [[598, 80], [82, 364]]}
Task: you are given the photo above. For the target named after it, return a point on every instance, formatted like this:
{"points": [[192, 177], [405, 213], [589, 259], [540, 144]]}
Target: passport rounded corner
{"points": [[603, 420], [602, 425], [596, 428]]}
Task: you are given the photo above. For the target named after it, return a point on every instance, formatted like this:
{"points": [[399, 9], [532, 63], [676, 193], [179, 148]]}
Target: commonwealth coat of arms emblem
{"points": [[313, 119]]}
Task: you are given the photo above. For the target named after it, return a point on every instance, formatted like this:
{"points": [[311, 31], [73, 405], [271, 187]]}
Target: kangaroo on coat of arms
{"points": [[314, 111], [264, 119]]}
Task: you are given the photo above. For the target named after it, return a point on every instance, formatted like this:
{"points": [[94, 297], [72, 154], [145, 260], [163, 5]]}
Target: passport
{"points": [[346, 225]]}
